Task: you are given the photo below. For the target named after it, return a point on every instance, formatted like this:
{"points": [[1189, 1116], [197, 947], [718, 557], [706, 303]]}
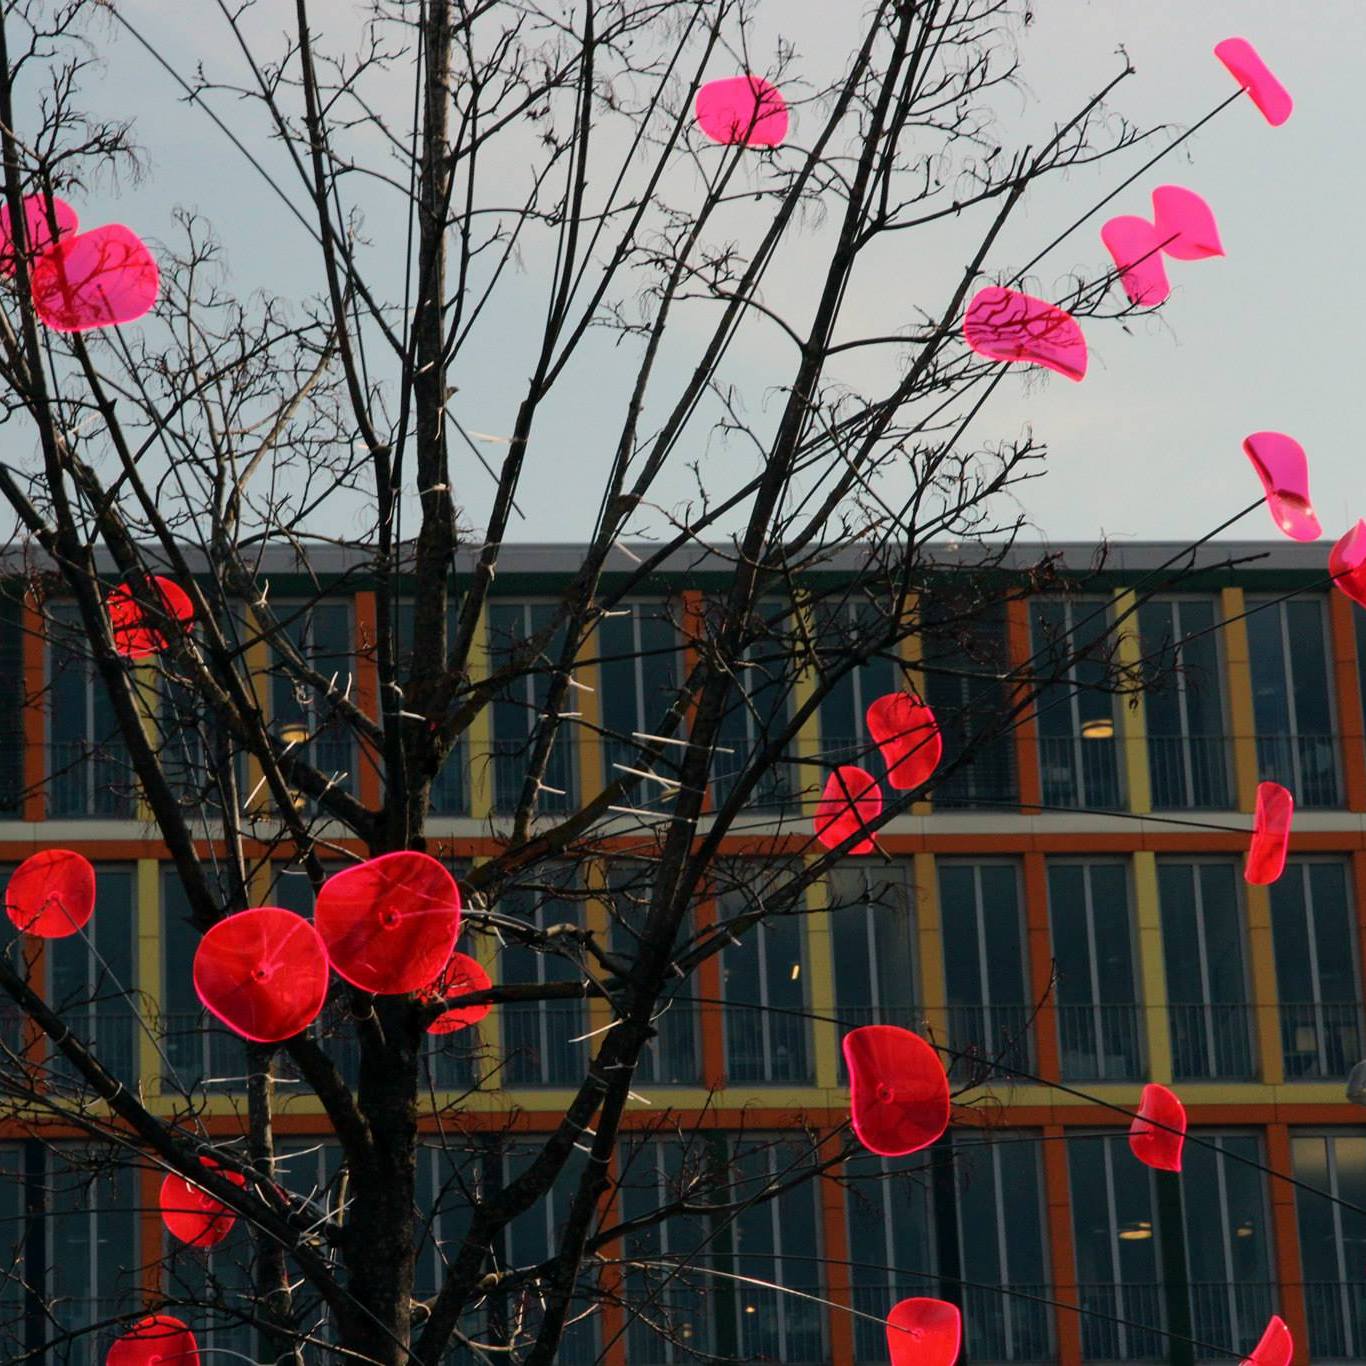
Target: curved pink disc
{"points": [[134, 637], [461, 976], [1184, 224], [1253, 74], [390, 923], [1347, 563], [747, 110], [851, 799], [1003, 324], [1270, 834], [1133, 244], [157, 1340], [1283, 468], [1275, 1348], [51, 894], [924, 1332], [907, 735], [95, 279], [898, 1091], [191, 1214], [262, 972], [37, 229], [1158, 1132]]}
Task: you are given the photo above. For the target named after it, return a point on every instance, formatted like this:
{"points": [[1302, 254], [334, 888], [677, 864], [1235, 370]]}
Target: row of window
{"points": [[1157, 1258]]}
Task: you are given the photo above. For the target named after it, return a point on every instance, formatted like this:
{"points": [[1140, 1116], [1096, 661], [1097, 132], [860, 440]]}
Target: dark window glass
{"points": [[872, 929]]}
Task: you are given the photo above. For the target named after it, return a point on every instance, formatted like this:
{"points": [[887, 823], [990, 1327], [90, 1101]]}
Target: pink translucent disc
{"points": [[742, 109], [851, 799], [1003, 324], [461, 976], [158, 1340], [1270, 834], [1275, 1348], [924, 1332], [1133, 245], [390, 923], [898, 1092], [263, 973], [191, 1214], [1253, 74], [1283, 468], [95, 279], [907, 735], [1184, 224], [51, 894], [134, 637], [37, 229], [1151, 1136], [1347, 563]]}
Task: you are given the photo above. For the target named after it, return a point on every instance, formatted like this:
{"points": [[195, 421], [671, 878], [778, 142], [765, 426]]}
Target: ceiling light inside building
{"points": [[1102, 728]]}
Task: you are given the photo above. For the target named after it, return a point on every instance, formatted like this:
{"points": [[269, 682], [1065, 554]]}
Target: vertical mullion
{"points": [[1182, 704], [1312, 937], [1112, 1220], [1002, 1250]]}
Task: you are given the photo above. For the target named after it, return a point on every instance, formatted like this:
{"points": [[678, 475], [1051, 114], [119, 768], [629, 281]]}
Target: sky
{"points": [[1148, 446]]}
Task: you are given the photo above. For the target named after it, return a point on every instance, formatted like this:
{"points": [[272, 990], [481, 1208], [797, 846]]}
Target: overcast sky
{"points": [[1149, 444]]}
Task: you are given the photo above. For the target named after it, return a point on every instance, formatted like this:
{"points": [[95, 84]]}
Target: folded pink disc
{"points": [[1184, 224], [263, 973], [461, 976], [898, 1091], [1283, 468], [51, 894], [851, 799], [95, 279], [1276, 1347], [158, 1340], [1003, 324], [924, 1332], [191, 1214], [907, 735], [1134, 245], [1253, 74], [37, 229], [1158, 1132], [390, 923], [744, 110], [1347, 563], [1270, 834], [134, 637]]}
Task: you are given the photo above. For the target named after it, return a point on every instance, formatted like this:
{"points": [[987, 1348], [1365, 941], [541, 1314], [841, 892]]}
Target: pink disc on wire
{"points": [[391, 922], [1158, 1131], [1133, 244], [1247, 68], [1184, 223], [134, 636], [95, 279], [51, 894], [461, 976], [907, 735], [850, 801], [743, 110], [924, 1332], [1003, 324], [898, 1090], [37, 229], [1283, 468], [1270, 834], [1276, 1347], [262, 972], [1347, 563], [191, 1214], [158, 1340]]}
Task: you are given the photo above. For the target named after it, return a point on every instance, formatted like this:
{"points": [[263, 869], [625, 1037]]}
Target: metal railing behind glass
{"points": [[1122, 1321], [1000, 1326], [1077, 772], [1306, 764], [113, 1036], [1100, 1042], [777, 789], [855, 1017], [764, 1046], [559, 791], [1212, 1042], [1230, 1314], [776, 1326], [89, 780], [619, 755], [673, 1057], [538, 1044], [201, 1054], [992, 1037], [1336, 1311], [1320, 1040], [1188, 772]]}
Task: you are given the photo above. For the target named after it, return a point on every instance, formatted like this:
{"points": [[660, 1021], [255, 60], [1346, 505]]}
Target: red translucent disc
{"points": [[95, 279], [263, 973], [158, 1340], [923, 1332], [134, 636], [851, 799], [37, 230], [461, 976], [1276, 1347], [51, 894], [1270, 834], [191, 1213], [1253, 74], [905, 731], [1003, 324], [1347, 563], [1134, 245], [1159, 1129], [744, 110], [1283, 468], [390, 923], [898, 1092]]}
